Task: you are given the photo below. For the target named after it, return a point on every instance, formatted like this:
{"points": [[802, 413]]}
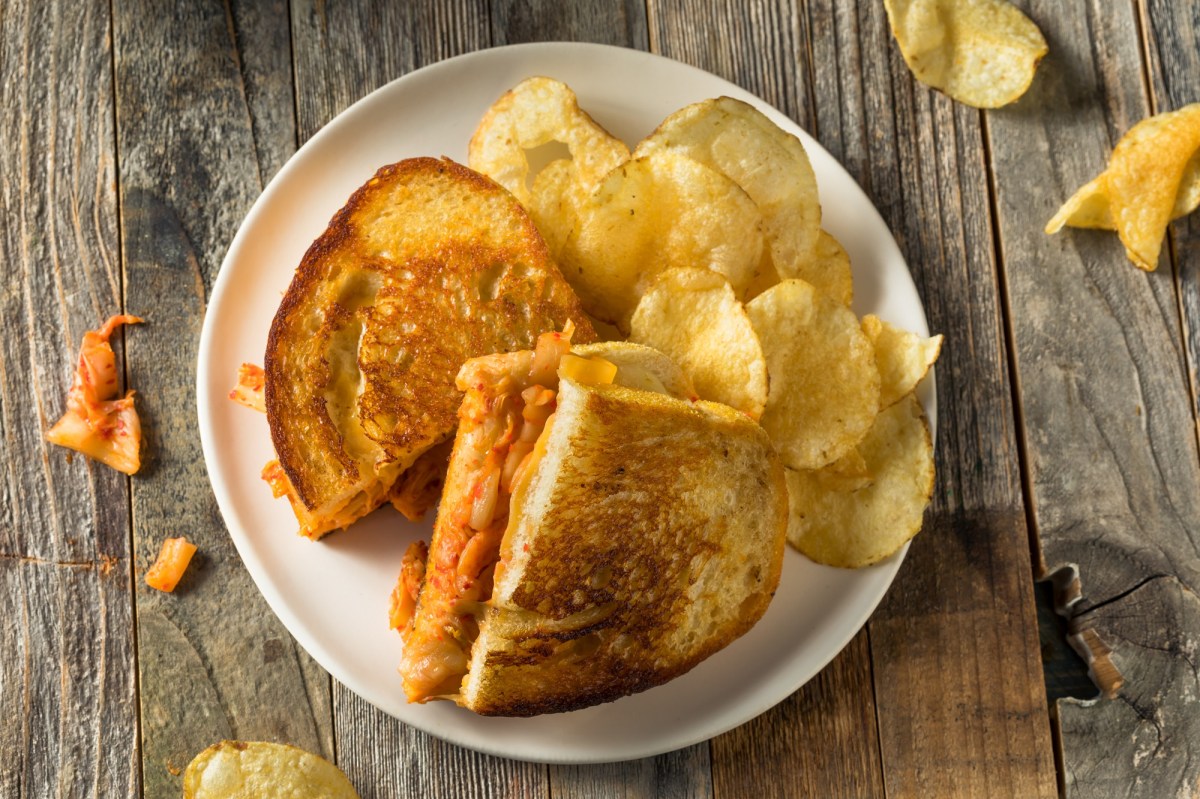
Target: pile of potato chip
{"points": [[705, 242]]}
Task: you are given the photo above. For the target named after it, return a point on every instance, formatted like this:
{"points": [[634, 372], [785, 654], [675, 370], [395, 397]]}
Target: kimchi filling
{"points": [[250, 388], [95, 422], [503, 417], [419, 486]]}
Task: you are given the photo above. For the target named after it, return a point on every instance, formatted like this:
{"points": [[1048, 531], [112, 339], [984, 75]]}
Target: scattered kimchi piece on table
{"points": [[173, 559], [248, 390], [95, 423]]}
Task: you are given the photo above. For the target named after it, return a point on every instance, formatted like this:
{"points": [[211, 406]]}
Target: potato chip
{"points": [[903, 358], [848, 473], [770, 164], [261, 770], [540, 119], [857, 526], [641, 367], [1153, 176], [828, 269], [766, 277], [980, 52], [654, 213], [824, 385], [693, 316]]}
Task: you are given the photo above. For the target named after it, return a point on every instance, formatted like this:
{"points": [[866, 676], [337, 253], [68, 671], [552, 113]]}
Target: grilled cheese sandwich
{"points": [[594, 539]]}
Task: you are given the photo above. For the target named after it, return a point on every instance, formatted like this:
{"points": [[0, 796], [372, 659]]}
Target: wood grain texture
{"points": [[67, 676], [675, 775], [386, 758], [1109, 423], [344, 51], [1172, 41], [262, 49], [685, 772], [195, 143], [752, 44], [1172, 35], [826, 728], [597, 21]]}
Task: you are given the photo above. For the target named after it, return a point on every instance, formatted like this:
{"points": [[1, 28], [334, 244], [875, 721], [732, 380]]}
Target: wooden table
{"points": [[137, 135]]}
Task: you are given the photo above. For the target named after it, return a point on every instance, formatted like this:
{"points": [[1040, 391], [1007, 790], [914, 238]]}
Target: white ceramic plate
{"points": [[333, 595]]}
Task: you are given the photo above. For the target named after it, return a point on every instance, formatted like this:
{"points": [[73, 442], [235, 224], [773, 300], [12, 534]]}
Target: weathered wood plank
{"points": [[962, 606], [1172, 32], [1109, 424], [66, 641], [753, 44], [197, 133], [68, 699], [263, 52], [865, 113], [828, 727], [385, 758], [675, 775], [764, 48], [616, 22], [344, 51]]}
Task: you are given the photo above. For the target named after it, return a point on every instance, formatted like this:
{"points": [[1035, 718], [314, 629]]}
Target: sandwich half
{"points": [[427, 265], [602, 531]]}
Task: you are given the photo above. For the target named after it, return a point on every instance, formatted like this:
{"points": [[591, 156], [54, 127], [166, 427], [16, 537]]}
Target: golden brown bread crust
{"points": [[652, 536], [428, 264]]}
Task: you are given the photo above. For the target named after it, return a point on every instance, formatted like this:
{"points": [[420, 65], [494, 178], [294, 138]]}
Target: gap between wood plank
{"points": [[1142, 20], [121, 265], [1038, 561], [883, 785], [296, 122], [1060, 763], [1010, 347], [104, 564]]}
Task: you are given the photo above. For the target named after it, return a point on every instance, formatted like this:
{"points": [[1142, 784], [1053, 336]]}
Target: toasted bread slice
{"points": [[427, 265], [650, 537]]}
